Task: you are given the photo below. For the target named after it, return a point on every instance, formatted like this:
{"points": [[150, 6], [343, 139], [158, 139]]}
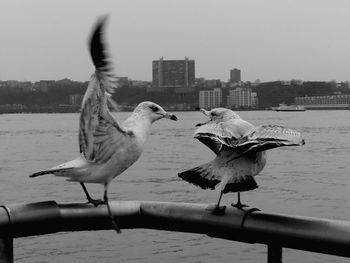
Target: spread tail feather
{"points": [[201, 176], [240, 184], [207, 177]]}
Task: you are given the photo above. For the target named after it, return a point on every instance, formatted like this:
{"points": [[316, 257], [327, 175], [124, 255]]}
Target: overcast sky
{"points": [[266, 39]]}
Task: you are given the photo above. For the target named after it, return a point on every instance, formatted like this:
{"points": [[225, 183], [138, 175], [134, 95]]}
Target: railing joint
{"points": [[247, 213], [8, 212]]}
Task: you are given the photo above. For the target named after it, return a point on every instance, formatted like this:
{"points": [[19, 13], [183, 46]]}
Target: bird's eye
{"points": [[154, 108]]}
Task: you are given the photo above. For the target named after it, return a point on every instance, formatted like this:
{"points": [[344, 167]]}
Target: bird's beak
{"points": [[200, 124], [206, 113], [170, 116]]}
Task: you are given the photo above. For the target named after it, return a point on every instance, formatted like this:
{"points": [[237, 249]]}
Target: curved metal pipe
{"points": [[251, 226]]}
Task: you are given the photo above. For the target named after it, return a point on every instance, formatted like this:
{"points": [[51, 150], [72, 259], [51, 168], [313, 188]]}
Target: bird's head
{"points": [[218, 115], [153, 111]]}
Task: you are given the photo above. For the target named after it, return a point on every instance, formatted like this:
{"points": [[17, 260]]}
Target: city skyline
{"points": [[267, 40]]}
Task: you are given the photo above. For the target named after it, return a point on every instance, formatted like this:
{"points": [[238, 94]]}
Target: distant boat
{"points": [[284, 107]]}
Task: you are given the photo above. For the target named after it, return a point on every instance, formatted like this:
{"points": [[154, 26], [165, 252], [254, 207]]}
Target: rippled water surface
{"points": [[312, 180]]}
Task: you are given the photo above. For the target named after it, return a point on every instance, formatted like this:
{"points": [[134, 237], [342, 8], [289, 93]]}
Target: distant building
{"points": [[167, 75], [212, 83], [210, 98], [240, 97], [139, 83], [65, 81], [234, 85], [76, 99], [12, 83], [271, 94], [235, 75], [254, 98], [43, 85], [12, 107], [331, 101]]}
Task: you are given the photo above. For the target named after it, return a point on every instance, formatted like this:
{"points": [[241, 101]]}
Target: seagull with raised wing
{"points": [[240, 152], [107, 148]]}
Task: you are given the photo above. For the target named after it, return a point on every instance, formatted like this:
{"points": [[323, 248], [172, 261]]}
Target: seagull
{"points": [[240, 152], [107, 148]]}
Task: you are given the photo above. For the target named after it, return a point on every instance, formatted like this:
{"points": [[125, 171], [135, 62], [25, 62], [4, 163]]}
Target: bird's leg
{"points": [[105, 198], [239, 205], [217, 209], [95, 202]]}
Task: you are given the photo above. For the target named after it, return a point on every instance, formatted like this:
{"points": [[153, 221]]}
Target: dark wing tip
{"points": [[97, 45]]}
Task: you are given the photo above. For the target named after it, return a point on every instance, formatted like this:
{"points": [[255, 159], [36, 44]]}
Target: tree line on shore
{"points": [[50, 94]]}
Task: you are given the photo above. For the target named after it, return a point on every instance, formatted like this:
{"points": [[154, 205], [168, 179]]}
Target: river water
{"points": [[312, 180]]}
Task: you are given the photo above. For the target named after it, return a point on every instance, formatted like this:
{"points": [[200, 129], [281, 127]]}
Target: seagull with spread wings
{"points": [[240, 152], [107, 148]]}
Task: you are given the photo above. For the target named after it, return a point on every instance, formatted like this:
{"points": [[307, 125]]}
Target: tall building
{"points": [[210, 98], [167, 75], [240, 97], [235, 75]]}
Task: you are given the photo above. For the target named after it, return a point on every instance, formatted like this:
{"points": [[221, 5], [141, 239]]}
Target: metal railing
{"points": [[248, 225]]}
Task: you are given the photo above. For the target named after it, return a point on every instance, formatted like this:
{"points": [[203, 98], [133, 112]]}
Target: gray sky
{"points": [[266, 39]]}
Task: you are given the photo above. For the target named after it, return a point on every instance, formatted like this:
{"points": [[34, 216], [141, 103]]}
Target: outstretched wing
{"points": [[216, 134], [267, 137], [97, 125]]}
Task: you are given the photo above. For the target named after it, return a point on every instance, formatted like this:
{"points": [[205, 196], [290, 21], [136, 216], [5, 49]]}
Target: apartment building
{"points": [[210, 98]]}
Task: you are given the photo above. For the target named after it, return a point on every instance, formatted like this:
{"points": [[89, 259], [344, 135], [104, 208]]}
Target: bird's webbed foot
{"points": [[96, 202], [219, 210], [239, 205]]}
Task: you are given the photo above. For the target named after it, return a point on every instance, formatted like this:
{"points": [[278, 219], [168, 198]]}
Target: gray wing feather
{"points": [[216, 135], [97, 125], [107, 140], [267, 137]]}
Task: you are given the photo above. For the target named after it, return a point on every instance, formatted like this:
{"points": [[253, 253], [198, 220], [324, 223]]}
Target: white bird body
{"points": [[107, 148], [231, 173], [114, 151], [240, 151]]}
